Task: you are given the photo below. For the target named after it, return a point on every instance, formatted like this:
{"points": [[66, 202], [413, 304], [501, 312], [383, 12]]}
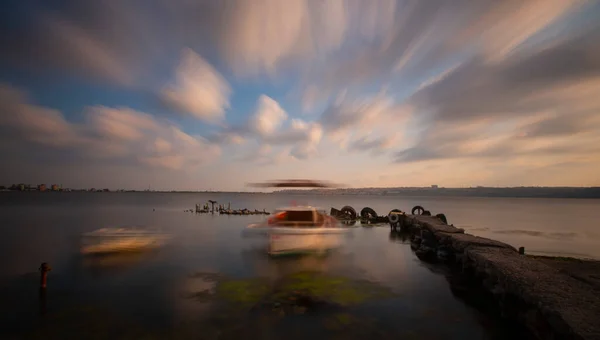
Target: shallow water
{"points": [[154, 294]]}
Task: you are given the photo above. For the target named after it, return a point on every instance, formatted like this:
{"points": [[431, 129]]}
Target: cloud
{"points": [[270, 125], [478, 91], [424, 37], [531, 103], [375, 145], [228, 136], [21, 120], [297, 131], [199, 90], [309, 136], [125, 133], [268, 116], [263, 33], [560, 126], [505, 85], [351, 113], [333, 43], [107, 135], [261, 153], [371, 123], [121, 123], [266, 35], [508, 24], [95, 41], [124, 43], [503, 140]]}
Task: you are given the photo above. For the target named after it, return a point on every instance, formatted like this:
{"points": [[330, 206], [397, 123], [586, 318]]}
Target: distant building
{"points": [[21, 187], [41, 187], [54, 187], [434, 186]]}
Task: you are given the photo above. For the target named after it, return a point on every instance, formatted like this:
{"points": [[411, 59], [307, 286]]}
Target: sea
{"points": [[211, 282]]}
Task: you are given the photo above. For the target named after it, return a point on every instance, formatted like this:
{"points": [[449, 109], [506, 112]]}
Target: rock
{"points": [[550, 303], [415, 243], [433, 224], [460, 242], [427, 235], [426, 253], [430, 243], [445, 253]]}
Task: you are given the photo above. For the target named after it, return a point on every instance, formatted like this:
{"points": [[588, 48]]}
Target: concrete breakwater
{"points": [[553, 298]]}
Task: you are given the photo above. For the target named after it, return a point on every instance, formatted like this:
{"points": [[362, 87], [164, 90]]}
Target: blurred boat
{"points": [[122, 239], [300, 229]]}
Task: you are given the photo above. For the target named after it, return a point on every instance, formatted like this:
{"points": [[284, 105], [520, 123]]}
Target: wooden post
{"points": [[43, 303], [44, 269], [522, 250]]}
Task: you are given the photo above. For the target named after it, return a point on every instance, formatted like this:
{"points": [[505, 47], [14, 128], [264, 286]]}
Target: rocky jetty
{"points": [[554, 299]]}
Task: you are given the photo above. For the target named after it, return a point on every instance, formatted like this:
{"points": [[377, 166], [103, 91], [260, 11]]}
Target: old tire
{"points": [[393, 218], [417, 208], [349, 211], [367, 212], [351, 223], [442, 218]]}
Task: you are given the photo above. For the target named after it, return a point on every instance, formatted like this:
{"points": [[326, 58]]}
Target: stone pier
{"points": [[540, 293]]}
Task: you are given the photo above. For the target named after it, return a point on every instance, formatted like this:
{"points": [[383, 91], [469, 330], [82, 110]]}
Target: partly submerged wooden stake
{"points": [[44, 269]]}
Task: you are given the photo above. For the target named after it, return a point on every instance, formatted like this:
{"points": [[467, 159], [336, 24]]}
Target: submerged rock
{"points": [[415, 243], [299, 293], [445, 253], [426, 253]]}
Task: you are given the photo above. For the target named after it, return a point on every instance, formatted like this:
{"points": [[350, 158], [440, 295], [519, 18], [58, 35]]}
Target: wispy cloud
{"points": [[494, 89], [198, 89], [111, 134]]}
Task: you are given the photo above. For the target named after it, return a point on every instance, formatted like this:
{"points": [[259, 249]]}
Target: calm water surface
{"points": [[147, 295]]}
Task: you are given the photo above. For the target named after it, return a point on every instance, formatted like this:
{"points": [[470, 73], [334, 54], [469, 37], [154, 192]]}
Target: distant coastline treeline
{"points": [[514, 192], [517, 192]]}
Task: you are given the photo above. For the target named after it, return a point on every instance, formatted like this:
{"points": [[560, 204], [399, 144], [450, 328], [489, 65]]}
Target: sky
{"points": [[207, 94]]}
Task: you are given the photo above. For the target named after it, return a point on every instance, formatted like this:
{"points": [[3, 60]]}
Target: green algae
{"points": [[293, 289], [343, 318], [244, 291]]}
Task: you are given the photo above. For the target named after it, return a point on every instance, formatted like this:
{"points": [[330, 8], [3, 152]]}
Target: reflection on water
{"points": [[122, 239], [300, 301], [271, 267], [113, 263], [164, 293], [290, 297], [554, 235], [399, 237]]}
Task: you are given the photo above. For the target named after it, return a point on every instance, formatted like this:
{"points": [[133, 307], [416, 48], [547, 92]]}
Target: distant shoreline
{"points": [[514, 192], [517, 192]]}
